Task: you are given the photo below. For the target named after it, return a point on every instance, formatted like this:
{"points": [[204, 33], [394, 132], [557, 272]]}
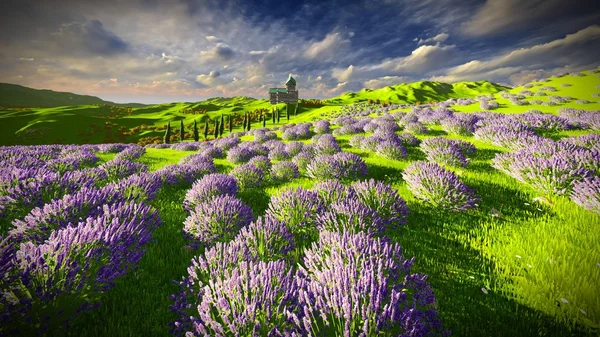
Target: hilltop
{"points": [[422, 91], [13, 96]]}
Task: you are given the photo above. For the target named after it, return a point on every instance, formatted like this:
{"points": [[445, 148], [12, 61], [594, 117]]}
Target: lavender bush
{"points": [[586, 193], [210, 186], [438, 186]]}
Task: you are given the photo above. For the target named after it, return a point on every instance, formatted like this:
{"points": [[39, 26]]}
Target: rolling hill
{"points": [[13, 95], [422, 91]]}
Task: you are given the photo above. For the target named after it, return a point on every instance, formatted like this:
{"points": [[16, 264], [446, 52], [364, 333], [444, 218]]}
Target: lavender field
{"points": [[403, 220]]}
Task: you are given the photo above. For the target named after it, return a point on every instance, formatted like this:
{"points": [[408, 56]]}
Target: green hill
{"points": [[13, 95], [422, 91], [88, 123]]}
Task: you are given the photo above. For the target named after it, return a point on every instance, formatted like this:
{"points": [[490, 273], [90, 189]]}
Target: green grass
{"points": [[528, 255]]}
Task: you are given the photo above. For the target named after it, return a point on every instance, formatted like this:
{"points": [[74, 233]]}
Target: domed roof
{"points": [[291, 81]]}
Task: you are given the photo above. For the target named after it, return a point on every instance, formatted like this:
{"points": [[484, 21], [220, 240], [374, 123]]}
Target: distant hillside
{"points": [[12, 95], [423, 91]]}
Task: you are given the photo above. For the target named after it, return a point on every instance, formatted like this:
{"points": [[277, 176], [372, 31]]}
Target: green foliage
{"points": [[196, 137], [167, 137], [206, 130], [181, 131]]}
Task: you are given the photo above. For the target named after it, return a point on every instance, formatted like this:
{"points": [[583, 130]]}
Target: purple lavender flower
{"points": [[138, 187], [111, 148], [262, 162], [121, 168], [586, 193], [391, 150], [248, 176], [590, 141], [185, 146], [239, 155], [332, 190], [383, 199], [350, 215], [327, 145], [370, 143], [254, 299], [218, 219], [298, 210], [279, 153], [303, 159], [267, 239], [212, 152], [354, 285], [210, 186], [293, 148], [341, 166], [284, 171], [322, 126], [356, 141], [132, 152], [438, 186], [416, 128], [185, 174]]}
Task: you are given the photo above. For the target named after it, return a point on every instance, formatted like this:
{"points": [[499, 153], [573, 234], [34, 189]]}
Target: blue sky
{"points": [[153, 51]]}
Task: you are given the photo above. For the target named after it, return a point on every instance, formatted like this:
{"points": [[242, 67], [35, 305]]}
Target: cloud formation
{"points": [[145, 51]]}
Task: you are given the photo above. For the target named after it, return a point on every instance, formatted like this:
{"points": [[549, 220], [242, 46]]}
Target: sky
{"points": [[156, 51]]}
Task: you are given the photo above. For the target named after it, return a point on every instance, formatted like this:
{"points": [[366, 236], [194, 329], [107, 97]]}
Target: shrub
{"points": [[284, 171], [416, 128], [438, 186], [210, 186], [332, 190], [586, 193], [383, 199], [391, 150], [377, 281], [262, 162], [350, 215], [248, 176], [342, 166], [217, 220], [266, 239]]}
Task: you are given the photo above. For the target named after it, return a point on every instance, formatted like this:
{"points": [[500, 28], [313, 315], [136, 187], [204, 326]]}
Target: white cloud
{"points": [[212, 38], [577, 49], [332, 45], [499, 16], [438, 38], [385, 81]]}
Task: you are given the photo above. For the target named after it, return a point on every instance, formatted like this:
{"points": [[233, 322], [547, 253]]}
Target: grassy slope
{"points": [[423, 91], [529, 256], [13, 95], [63, 124]]}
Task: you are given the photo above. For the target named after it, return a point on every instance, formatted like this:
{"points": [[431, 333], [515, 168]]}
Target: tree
{"points": [[245, 122], [287, 112], [273, 115], [278, 116], [216, 129], [296, 110], [196, 137], [222, 126], [230, 124], [249, 122], [181, 131], [206, 129], [264, 121], [167, 137]]}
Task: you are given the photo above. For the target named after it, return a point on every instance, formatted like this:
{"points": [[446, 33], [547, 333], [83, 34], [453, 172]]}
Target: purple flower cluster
{"points": [[76, 262], [298, 210], [326, 144], [550, 167], [322, 126], [111, 148], [261, 135], [284, 171], [342, 166], [438, 186], [447, 151], [185, 174], [248, 176], [586, 193], [210, 186], [462, 126], [122, 168], [218, 219], [416, 128], [132, 152], [261, 162], [300, 131], [355, 285]]}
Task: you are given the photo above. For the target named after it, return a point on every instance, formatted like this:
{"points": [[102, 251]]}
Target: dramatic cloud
{"points": [[575, 50], [160, 51], [438, 38]]}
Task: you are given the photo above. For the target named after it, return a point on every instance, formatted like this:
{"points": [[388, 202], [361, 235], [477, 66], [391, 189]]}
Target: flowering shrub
{"points": [[416, 128], [342, 166], [391, 150], [75, 263], [284, 171], [210, 186], [298, 209], [293, 148], [326, 145], [248, 176], [279, 153], [378, 296], [350, 215], [218, 219], [267, 239], [322, 126], [131, 152], [239, 154], [586, 193], [438, 186], [332, 190], [261, 162], [185, 174], [121, 168], [383, 199]]}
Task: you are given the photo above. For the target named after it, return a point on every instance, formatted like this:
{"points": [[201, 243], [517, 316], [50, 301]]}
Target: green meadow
{"points": [[520, 264]]}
